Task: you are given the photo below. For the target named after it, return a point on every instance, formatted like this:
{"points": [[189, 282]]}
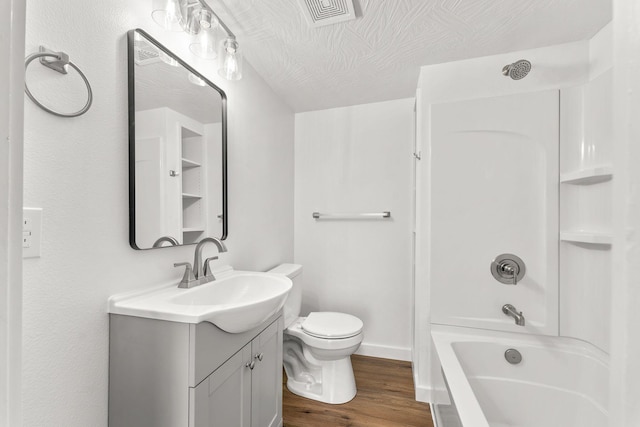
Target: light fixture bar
{"points": [[220, 22], [199, 20]]}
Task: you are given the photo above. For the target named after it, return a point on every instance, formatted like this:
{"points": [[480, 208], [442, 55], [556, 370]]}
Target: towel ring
{"points": [[61, 60]]}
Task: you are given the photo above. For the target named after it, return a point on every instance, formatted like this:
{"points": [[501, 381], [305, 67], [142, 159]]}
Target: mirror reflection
{"points": [[177, 149]]}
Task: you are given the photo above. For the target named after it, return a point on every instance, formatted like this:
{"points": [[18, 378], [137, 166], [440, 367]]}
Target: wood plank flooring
{"points": [[385, 399]]}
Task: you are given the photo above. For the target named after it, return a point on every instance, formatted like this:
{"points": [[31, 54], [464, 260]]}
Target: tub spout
{"points": [[510, 310]]}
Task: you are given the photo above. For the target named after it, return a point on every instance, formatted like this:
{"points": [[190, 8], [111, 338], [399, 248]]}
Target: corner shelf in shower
{"points": [[191, 196], [582, 236], [186, 164], [588, 176], [193, 230]]}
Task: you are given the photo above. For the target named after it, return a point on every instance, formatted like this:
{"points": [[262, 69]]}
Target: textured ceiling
{"points": [[377, 56]]}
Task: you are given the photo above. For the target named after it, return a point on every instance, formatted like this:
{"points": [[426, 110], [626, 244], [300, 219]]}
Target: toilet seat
{"points": [[296, 330], [331, 325]]}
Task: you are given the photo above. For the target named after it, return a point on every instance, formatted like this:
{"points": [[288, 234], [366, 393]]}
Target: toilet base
{"points": [[337, 383], [328, 381]]}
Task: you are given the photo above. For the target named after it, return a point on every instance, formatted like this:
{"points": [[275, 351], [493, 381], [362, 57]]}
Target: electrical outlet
{"points": [[31, 232]]}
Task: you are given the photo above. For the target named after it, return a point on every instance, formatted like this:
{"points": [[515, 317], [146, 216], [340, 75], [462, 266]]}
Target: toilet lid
{"points": [[332, 325]]}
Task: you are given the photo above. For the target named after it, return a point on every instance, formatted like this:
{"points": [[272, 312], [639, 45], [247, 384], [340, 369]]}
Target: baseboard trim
{"points": [[385, 352]]}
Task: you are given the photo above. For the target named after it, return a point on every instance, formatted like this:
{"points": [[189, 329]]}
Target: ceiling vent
{"points": [[145, 53], [327, 12]]}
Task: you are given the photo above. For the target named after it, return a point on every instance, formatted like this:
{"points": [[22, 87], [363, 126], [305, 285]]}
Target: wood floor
{"points": [[385, 399]]}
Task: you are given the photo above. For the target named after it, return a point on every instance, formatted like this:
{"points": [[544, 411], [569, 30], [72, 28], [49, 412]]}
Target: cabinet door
{"points": [[266, 387], [224, 398]]}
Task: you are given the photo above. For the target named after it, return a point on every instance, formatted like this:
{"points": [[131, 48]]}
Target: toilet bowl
{"points": [[317, 348]]}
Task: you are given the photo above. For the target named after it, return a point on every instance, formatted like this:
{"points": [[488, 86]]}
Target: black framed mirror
{"points": [[177, 149]]}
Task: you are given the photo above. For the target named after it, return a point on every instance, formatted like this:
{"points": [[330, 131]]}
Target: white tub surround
{"points": [[559, 220], [559, 382], [586, 196], [494, 190]]}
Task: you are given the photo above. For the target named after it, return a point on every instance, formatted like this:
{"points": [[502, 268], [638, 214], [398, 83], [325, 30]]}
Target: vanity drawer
{"points": [[210, 347]]}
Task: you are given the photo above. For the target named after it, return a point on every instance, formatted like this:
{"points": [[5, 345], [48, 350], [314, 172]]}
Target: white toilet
{"points": [[317, 348]]}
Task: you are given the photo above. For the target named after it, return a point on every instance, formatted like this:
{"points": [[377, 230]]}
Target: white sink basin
{"points": [[237, 301]]}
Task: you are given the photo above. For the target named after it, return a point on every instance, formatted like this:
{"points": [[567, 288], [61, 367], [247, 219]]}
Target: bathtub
{"points": [[560, 382]]}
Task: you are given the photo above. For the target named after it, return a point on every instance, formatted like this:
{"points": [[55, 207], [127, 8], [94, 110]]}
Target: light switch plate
{"points": [[31, 232]]}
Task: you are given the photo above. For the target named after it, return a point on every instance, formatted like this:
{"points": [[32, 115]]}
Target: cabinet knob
{"points": [[251, 365], [259, 356]]}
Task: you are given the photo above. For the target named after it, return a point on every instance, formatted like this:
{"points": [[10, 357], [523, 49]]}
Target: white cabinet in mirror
{"points": [[177, 149]]}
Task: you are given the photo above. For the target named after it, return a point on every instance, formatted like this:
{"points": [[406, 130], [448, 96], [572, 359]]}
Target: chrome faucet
{"points": [[198, 265], [510, 310], [172, 240], [200, 273]]}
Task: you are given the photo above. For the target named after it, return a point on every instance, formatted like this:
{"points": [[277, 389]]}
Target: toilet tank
{"points": [[293, 303]]}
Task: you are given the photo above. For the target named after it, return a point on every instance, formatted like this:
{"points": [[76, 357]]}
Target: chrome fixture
{"points": [[518, 70], [200, 273], [252, 364], [508, 269], [197, 19], [363, 215], [188, 280], [207, 267], [230, 59], [60, 62], [510, 310], [172, 240], [198, 265], [513, 356]]}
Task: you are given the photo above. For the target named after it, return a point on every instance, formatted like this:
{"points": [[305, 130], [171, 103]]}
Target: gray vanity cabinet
{"points": [[224, 398], [246, 391], [266, 379], [170, 374]]}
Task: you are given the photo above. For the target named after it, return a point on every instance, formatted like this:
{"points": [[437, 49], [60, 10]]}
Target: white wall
{"points": [[77, 170], [553, 68], [625, 318], [358, 159], [12, 16]]}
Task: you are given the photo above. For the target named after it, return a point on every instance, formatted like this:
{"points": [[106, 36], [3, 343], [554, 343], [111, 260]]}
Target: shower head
{"points": [[518, 70]]}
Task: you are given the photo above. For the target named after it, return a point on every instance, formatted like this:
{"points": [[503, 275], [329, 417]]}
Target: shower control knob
{"points": [[508, 269]]}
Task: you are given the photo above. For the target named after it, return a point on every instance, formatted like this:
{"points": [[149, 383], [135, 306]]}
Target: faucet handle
{"points": [[188, 277], [509, 267], [207, 267]]}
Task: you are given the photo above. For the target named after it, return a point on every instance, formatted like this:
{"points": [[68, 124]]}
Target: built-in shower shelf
{"points": [[191, 196], [586, 237], [186, 164], [193, 230], [588, 176]]}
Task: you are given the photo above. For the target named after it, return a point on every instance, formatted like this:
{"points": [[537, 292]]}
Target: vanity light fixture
{"points": [[166, 13], [230, 59], [196, 18], [204, 45]]}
